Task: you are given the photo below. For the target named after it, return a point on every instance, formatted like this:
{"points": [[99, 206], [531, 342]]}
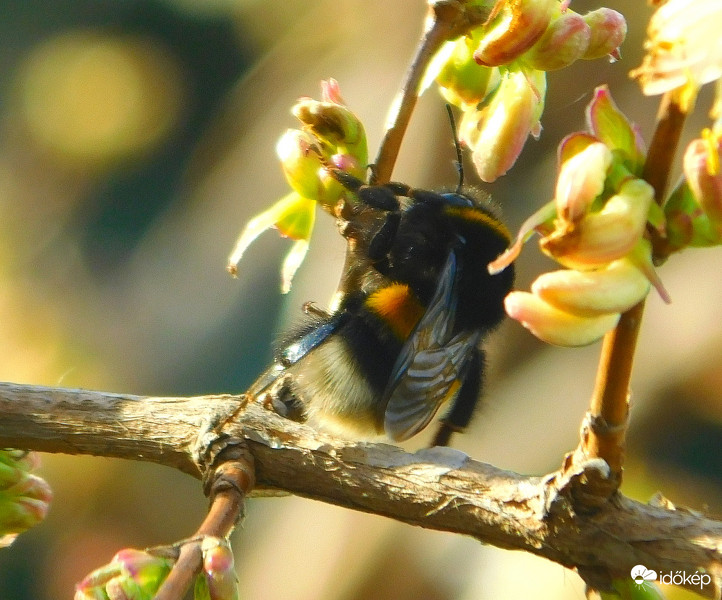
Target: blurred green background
{"points": [[137, 138]]}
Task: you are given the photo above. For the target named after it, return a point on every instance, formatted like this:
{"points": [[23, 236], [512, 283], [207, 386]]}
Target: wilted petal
{"points": [[542, 218], [293, 215], [291, 263], [641, 257], [556, 326]]}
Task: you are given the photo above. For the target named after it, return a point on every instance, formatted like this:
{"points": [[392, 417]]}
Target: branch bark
{"points": [[439, 488]]}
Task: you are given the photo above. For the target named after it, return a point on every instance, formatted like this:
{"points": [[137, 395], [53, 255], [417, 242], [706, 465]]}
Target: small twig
{"points": [[231, 481], [447, 20], [603, 433]]}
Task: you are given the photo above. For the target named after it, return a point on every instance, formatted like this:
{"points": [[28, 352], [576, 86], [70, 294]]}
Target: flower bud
{"points": [[332, 122], [218, 571], [584, 163], [462, 81], [687, 223], [564, 41], [615, 288], [611, 127], [497, 132], [130, 575], [24, 497], [603, 236], [515, 27], [301, 163], [702, 169], [556, 326], [607, 32]]}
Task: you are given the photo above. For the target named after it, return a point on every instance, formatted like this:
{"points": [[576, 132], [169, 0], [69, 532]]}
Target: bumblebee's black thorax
{"points": [[428, 230]]}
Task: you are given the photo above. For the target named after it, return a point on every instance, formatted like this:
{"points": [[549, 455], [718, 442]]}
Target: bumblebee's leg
{"points": [[461, 411]]}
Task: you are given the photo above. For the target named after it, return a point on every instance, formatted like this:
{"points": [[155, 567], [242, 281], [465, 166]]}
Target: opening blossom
{"points": [[595, 226], [684, 47]]}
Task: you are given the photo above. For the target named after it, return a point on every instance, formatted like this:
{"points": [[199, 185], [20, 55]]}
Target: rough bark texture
{"points": [[437, 488]]}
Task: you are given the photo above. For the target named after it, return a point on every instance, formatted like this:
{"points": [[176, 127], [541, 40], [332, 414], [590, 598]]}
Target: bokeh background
{"points": [[137, 138]]}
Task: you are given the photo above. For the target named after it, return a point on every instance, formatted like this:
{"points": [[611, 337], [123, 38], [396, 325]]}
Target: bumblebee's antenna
{"points": [[459, 164]]}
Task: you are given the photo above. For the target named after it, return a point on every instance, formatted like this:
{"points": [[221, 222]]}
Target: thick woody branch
{"points": [[437, 489]]}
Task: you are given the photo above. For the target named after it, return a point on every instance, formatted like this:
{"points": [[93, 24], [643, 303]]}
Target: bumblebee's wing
{"points": [[429, 369], [298, 348]]}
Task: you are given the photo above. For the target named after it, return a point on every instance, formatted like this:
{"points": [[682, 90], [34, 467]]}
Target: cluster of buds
{"points": [[24, 497], [138, 574], [130, 574], [330, 134], [497, 73], [595, 226]]}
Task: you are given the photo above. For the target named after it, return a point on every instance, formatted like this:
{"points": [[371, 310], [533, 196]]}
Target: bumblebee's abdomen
{"points": [[342, 381], [396, 306]]}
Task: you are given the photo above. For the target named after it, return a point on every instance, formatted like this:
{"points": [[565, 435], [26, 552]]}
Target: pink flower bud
{"points": [[608, 30], [219, 569], [565, 41], [131, 575], [610, 126], [333, 123]]}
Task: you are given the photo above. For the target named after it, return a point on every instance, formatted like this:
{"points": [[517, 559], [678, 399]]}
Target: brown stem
{"points": [[231, 482], [447, 20], [603, 434], [431, 489]]}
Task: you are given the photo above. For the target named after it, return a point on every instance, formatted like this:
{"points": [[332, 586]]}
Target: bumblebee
{"points": [[404, 338]]}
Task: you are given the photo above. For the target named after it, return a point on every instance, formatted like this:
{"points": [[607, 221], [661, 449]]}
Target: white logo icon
{"points": [[641, 574]]}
